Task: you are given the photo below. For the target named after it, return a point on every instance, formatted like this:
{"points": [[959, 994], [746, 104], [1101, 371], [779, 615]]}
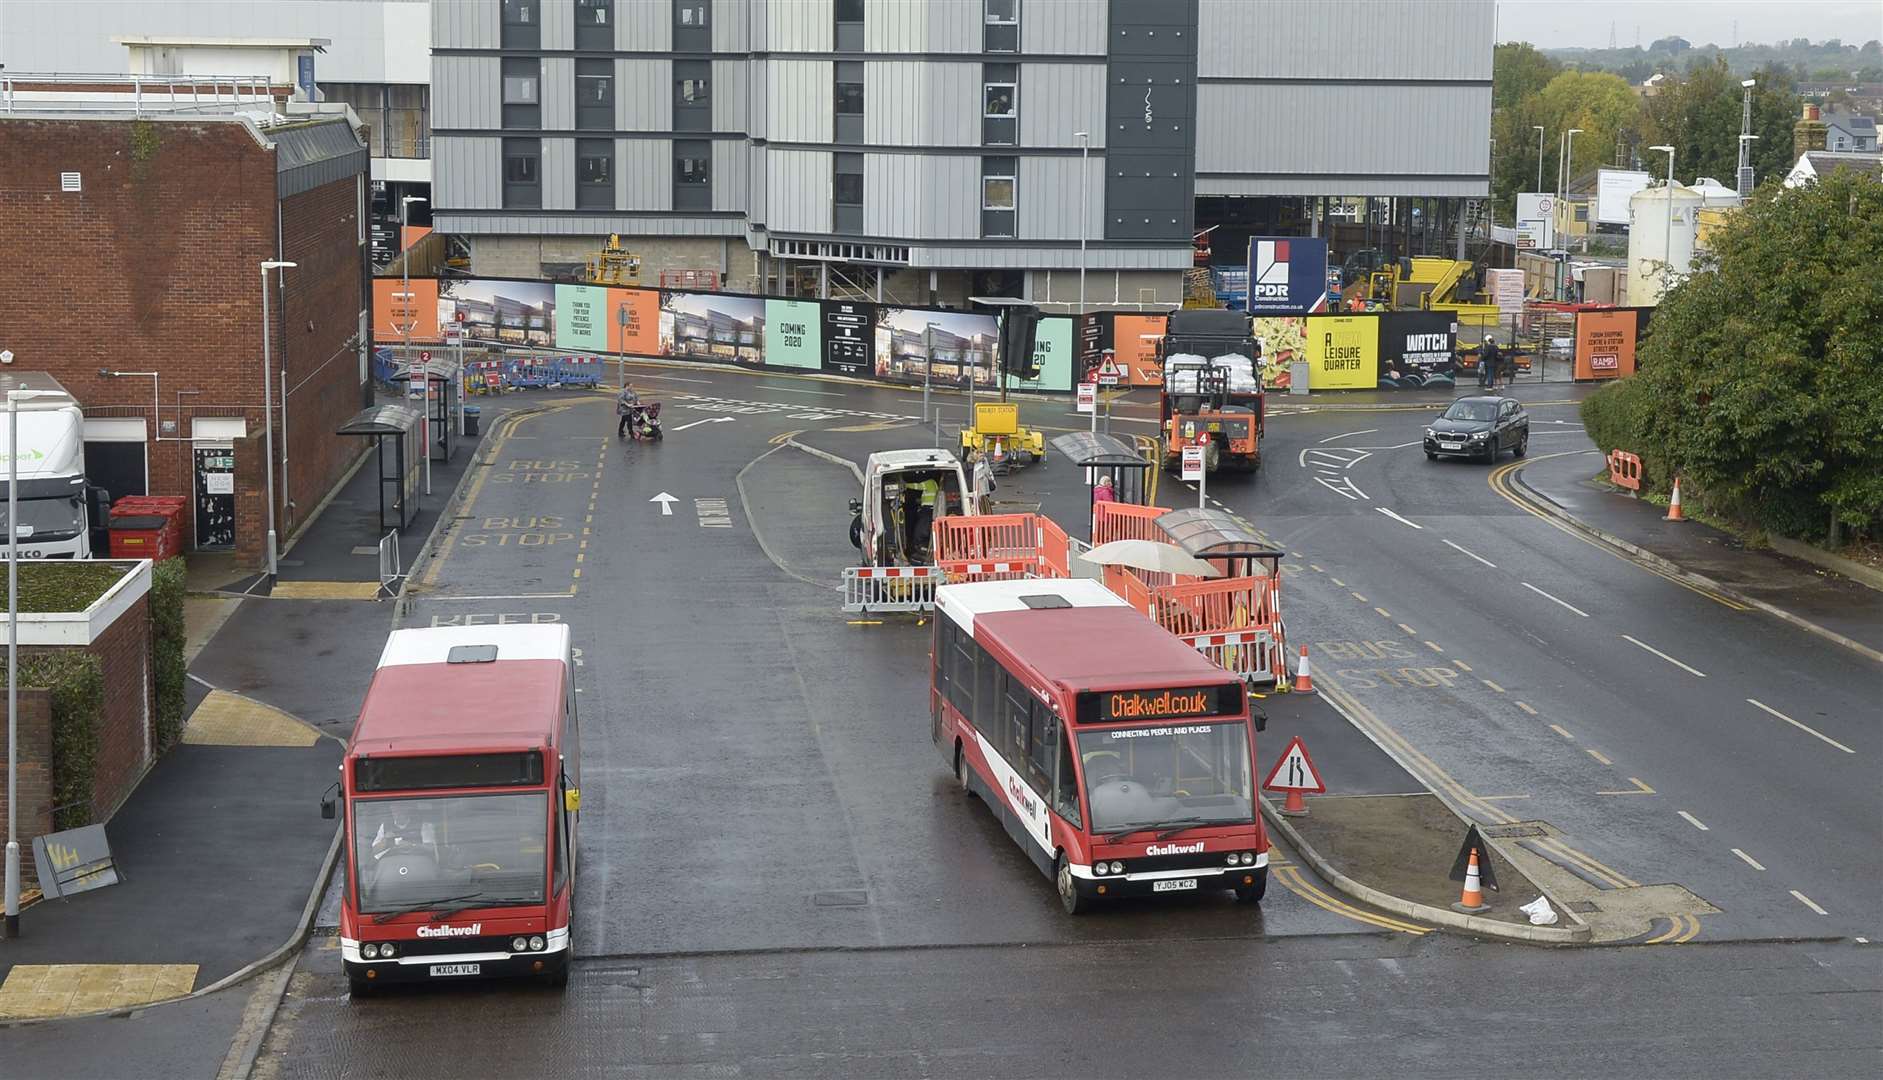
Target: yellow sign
{"points": [[1343, 352]]}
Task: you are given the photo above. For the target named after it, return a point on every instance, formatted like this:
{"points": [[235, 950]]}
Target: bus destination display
{"points": [[1166, 704]]}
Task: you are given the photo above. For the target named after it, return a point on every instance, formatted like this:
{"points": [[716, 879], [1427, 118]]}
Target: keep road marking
{"points": [[1750, 861], [1664, 656], [1547, 596], [1801, 727], [1693, 821], [1462, 551]]}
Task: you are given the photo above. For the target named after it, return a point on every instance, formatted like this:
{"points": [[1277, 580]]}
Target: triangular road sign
{"points": [[1295, 771], [1475, 841]]}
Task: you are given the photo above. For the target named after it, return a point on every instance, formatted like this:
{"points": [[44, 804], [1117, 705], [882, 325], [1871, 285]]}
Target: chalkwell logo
{"points": [[472, 930], [1271, 268], [1175, 849]]}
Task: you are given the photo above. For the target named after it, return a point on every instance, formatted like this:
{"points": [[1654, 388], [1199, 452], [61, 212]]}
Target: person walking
{"points": [[625, 404], [1490, 358]]}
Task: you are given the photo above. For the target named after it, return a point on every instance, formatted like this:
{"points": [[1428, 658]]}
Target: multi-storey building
{"points": [[932, 150]]}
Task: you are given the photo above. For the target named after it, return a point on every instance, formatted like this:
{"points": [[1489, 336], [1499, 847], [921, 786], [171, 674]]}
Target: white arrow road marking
{"points": [[708, 420], [1397, 518], [666, 502]]}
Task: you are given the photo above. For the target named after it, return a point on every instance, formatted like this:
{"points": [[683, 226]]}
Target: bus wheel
{"points": [[961, 769], [358, 987], [1069, 897], [1252, 894]]}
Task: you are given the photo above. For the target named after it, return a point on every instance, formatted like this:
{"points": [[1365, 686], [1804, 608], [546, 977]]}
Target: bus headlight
{"points": [[385, 949], [1117, 867], [1100, 869], [519, 944], [1234, 858], [536, 943], [369, 950]]}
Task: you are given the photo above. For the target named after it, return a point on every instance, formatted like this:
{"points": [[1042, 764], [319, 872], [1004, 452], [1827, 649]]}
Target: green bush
{"points": [[76, 681], [167, 644]]}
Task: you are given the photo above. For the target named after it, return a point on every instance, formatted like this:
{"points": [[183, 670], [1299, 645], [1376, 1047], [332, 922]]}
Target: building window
{"points": [[1001, 31], [522, 99], [997, 196], [1000, 124], [692, 95], [522, 24], [847, 192], [849, 101], [692, 175], [692, 29], [594, 174], [595, 25], [522, 173], [849, 25], [595, 95]]}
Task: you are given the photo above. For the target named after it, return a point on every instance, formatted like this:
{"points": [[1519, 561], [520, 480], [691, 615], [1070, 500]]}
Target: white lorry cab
{"points": [[56, 505]]}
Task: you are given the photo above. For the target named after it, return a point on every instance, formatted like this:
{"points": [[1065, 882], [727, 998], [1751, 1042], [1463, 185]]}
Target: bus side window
{"points": [[986, 683], [1013, 721], [1066, 792], [559, 839], [1041, 748]]}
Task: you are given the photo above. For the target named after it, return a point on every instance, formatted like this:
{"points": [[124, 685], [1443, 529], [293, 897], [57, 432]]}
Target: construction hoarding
{"points": [[1605, 343]]}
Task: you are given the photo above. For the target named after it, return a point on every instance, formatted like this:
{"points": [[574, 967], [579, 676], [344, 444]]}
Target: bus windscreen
{"points": [[524, 769], [1108, 706]]}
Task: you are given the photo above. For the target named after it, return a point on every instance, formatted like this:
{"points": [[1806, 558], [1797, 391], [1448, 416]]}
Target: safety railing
{"points": [[1252, 653], [890, 588], [1126, 521], [990, 538], [1624, 469]]}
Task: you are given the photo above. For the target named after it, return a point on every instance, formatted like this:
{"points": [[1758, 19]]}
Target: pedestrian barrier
{"points": [[1624, 469], [890, 588], [1126, 521]]}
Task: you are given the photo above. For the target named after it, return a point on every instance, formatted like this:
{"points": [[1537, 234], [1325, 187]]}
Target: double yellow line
{"points": [[1680, 930], [1290, 875], [1499, 480]]}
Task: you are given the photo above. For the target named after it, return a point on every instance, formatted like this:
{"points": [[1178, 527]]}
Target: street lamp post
{"points": [[1539, 156], [14, 397], [1569, 161], [1742, 178], [268, 415], [405, 268], [1667, 230]]}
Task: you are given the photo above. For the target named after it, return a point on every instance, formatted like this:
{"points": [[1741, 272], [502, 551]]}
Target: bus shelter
{"points": [[1216, 537], [394, 428], [1107, 455], [443, 389]]}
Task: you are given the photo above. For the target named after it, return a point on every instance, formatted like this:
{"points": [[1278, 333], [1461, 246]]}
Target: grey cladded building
{"points": [[930, 149]]}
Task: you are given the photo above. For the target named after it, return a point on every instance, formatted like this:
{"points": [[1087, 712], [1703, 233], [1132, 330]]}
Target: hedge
{"points": [[168, 637], [76, 682]]}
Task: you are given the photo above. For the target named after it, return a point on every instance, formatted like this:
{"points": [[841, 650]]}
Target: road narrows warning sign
{"points": [[1294, 771]]}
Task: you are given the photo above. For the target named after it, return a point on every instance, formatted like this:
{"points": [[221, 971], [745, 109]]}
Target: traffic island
{"points": [[1395, 852]]}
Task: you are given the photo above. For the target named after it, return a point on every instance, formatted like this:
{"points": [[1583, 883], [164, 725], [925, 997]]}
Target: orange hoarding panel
{"points": [[641, 333], [412, 234], [395, 310], [1134, 340], [1605, 344]]}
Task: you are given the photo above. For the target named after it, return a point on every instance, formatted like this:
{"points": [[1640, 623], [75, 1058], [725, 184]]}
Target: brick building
{"points": [[135, 225]]}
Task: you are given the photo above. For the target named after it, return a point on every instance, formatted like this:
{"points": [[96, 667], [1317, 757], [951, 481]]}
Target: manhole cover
{"points": [[1582, 907], [840, 898], [1514, 832]]}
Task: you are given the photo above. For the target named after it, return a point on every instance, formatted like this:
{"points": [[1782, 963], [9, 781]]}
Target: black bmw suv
{"points": [[1479, 427]]}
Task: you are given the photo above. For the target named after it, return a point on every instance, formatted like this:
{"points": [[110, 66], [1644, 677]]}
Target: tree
{"points": [[1759, 380], [1518, 71], [1602, 105], [1674, 44], [1698, 116]]}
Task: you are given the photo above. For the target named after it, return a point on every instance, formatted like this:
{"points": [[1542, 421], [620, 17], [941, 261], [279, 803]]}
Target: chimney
{"points": [[1809, 133]]}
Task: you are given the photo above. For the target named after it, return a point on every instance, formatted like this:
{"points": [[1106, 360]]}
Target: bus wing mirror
{"points": [[572, 799], [1261, 720], [328, 802]]}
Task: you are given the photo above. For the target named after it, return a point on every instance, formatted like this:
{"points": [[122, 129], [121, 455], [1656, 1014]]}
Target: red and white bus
{"points": [[461, 787], [1119, 758]]}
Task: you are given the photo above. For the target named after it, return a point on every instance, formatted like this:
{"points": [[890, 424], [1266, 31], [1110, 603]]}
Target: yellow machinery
{"points": [[999, 439], [614, 265], [1432, 284]]}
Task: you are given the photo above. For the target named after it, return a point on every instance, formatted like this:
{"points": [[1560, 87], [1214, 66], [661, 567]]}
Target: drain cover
{"points": [[1514, 832], [840, 898], [1582, 907]]}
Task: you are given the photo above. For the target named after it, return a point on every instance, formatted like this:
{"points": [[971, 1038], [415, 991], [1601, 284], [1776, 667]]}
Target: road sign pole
{"points": [[1203, 484]]}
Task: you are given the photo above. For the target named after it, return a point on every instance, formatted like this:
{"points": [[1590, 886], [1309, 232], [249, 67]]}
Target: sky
{"points": [[1554, 24]]}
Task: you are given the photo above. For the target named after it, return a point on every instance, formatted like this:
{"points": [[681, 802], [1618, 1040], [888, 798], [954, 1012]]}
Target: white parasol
{"points": [[1150, 555]]}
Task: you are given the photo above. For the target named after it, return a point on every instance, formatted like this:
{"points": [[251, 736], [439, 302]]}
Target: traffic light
{"points": [[1019, 326]]}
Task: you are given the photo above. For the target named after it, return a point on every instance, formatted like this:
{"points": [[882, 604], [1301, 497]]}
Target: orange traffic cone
{"points": [[1473, 899], [1673, 504], [1304, 684]]}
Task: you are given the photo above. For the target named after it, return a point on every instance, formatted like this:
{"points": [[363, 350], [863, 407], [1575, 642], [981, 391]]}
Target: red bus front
{"points": [[456, 865]]}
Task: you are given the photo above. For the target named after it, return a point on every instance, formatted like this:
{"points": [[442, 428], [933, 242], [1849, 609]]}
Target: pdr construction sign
{"points": [[1287, 275]]}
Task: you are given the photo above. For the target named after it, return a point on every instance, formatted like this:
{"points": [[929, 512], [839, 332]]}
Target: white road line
{"points": [[1547, 596], [1462, 551], [1801, 727], [1349, 434], [1750, 861], [1409, 630], [794, 390], [1494, 687], [1807, 901], [1434, 646], [1693, 821], [1525, 708], [1397, 518], [1558, 729], [1345, 488], [442, 599], [1664, 656]]}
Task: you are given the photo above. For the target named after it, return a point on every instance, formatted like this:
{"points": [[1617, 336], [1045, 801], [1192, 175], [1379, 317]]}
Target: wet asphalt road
{"points": [[777, 877]]}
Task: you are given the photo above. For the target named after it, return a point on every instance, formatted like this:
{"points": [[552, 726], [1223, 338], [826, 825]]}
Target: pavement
{"points": [[1839, 608]]}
